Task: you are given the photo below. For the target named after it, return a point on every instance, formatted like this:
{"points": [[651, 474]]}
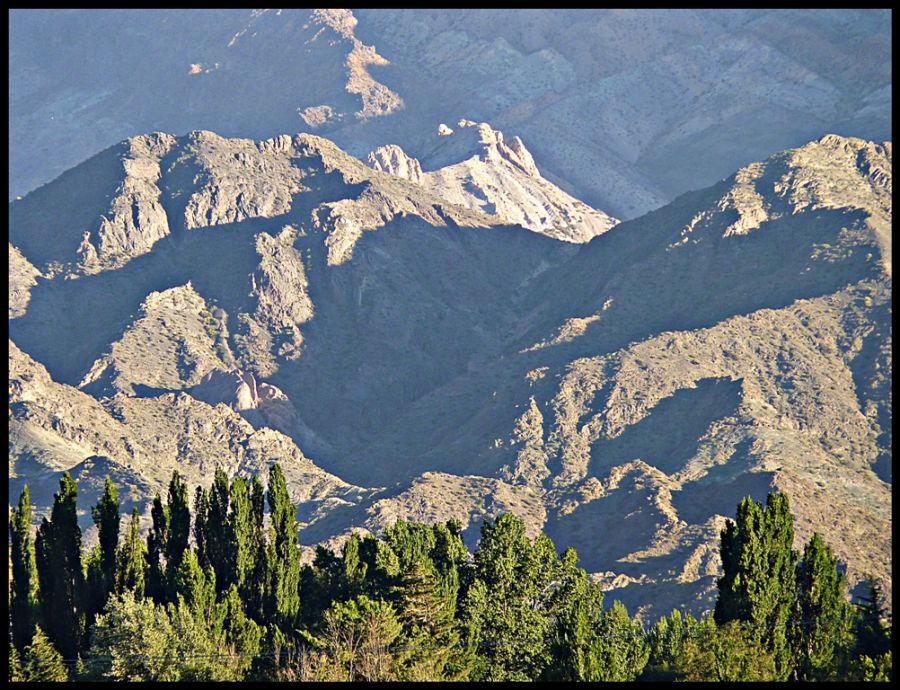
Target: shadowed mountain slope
{"points": [[622, 394]]}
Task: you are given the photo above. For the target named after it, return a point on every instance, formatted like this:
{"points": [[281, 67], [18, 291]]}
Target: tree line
{"points": [[216, 591]]}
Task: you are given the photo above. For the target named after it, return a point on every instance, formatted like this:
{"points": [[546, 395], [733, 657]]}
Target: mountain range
{"points": [[456, 335]]}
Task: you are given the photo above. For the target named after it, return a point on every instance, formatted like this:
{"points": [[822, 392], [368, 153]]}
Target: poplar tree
{"points": [[220, 541], [823, 620], [242, 532], [758, 585], [60, 574], [256, 583], [102, 563], [23, 601], [201, 508], [179, 530], [283, 596], [156, 544], [131, 563], [106, 516]]}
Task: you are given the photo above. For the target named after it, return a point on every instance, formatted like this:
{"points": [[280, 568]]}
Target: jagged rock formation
{"points": [[135, 220], [622, 394], [21, 279], [240, 391], [500, 178]]}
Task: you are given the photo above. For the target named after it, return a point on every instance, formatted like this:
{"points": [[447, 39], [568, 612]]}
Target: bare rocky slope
{"points": [[624, 109], [409, 355]]}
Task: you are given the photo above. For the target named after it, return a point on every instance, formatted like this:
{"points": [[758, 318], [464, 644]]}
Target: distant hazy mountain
{"points": [[405, 348], [625, 109]]}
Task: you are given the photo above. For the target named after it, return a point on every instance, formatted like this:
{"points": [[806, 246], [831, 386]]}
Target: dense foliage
{"points": [[235, 603]]}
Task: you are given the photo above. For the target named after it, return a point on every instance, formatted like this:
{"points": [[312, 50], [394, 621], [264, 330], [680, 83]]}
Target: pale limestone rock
{"points": [[394, 160]]}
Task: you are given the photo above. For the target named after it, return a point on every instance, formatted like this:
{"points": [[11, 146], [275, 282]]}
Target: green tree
{"points": [[195, 587], [242, 532], [621, 649], [15, 673], [106, 516], [41, 662], [283, 597], [357, 643], [758, 585], [23, 602], [822, 627], [731, 652], [256, 583], [101, 566], [179, 530], [506, 609], [60, 574], [425, 608], [201, 508], [575, 646], [131, 562], [220, 539], [132, 641], [666, 639], [156, 544]]}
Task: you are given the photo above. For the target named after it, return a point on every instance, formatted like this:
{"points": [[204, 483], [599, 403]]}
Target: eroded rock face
{"points": [[239, 391], [239, 181], [392, 159], [377, 99], [136, 219], [487, 173], [21, 279]]}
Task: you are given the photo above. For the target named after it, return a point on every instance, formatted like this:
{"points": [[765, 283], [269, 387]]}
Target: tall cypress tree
{"points": [[131, 566], [256, 584], [106, 517], [61, 578], [23, 603], [241, 531], [179, 530], [102, 565], [201, 508], [156, 544], [823, 620], [283, 596], [220, 544], [758, 584]]}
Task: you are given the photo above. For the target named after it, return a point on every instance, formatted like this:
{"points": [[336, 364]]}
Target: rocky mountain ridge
{"points": [[407, 356], [499, 178]]}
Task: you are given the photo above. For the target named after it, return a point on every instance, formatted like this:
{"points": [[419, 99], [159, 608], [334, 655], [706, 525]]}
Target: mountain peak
{"points": [[483, 170]]}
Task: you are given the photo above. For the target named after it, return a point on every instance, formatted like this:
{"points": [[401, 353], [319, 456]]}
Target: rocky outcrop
{"points": [[382, 198], [392, 159], [281, 290], [136, 219], [140, 441], [239, 391], [21, 279], [377, 99], [497, 176], [239, 180]]}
